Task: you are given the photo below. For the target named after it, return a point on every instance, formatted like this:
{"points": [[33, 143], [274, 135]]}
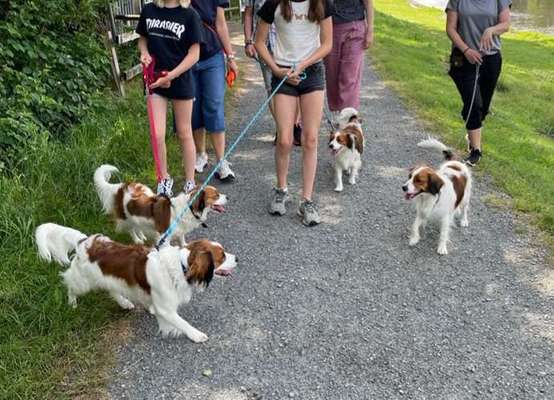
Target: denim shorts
{"points": [[208, 110], [315, 80]]}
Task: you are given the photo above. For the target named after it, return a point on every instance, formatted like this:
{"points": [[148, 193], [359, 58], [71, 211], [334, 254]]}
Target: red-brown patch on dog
{"points": [[157, 208], [345, 137], [427, 180], [459, 183], [208, 197], [121, 261], [202, 261]]}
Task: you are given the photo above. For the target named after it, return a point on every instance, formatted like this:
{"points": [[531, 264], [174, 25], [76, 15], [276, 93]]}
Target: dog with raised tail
{"points": [[439, 194], [347, 146], [160, 280], [145, 215]]}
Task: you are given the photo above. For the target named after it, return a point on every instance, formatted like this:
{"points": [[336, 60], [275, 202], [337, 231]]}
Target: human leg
{"points": [[183, 112]]}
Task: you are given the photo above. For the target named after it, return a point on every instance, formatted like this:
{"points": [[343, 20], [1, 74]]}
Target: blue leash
{"points": [[231, 148]]}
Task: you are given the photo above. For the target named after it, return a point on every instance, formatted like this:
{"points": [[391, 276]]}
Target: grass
{"points": [[411, 54], [47, 349]]}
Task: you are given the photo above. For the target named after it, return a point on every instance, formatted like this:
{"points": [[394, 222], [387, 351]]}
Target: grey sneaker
{"points": [[309, 213], [165, 187], [278, 203]]}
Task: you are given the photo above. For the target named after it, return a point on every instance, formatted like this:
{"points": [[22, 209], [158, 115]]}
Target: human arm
{"points": [[145, 57], [369, 23], [472, 55], [190, 59], [249, 48], [503, 26], [262, 33], [223, 33]]}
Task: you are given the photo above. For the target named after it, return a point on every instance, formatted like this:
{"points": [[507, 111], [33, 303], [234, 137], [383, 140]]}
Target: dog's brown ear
{"points": [[161, 212], [201, 267], [200, 202], [434, 183]]}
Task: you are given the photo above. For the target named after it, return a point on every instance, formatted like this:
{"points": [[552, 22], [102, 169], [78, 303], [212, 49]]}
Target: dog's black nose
{"points": [[330, 145], [405, 188]]}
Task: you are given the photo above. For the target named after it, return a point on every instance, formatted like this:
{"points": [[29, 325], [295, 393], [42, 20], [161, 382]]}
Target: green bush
{"points": [[52, 60]]}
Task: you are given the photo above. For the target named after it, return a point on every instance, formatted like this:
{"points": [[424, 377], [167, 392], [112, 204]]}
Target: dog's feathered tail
{"points": [[56, 242], [434, 144], [106, 190], [346, 116]]}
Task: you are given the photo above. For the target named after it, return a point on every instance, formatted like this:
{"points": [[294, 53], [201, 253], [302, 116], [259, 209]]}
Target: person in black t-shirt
{"points": [[170, 36]]}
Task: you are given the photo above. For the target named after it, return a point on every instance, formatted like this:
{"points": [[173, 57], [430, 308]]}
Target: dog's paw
{"points": [[197, 337], [464, 223], [339, 188], [414, 240], [352, 181], [442, 250]]}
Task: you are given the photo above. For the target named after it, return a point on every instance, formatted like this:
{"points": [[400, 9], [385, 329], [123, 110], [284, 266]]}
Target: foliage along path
{"points": [[347, 310]]}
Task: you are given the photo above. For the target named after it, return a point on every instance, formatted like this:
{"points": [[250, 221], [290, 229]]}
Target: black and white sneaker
{"points": [[165, 187], [474, 157]]}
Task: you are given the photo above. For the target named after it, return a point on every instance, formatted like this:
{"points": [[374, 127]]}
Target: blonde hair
{"points": [[161, 3]]}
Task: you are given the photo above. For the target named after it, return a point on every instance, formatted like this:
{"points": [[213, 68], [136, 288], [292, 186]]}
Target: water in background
{"points": [[536, 15]]}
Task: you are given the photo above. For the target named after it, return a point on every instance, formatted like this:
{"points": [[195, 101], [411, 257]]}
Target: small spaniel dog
{"points": [[440, 194], [145, 215], [347, 146], [159, 280]]}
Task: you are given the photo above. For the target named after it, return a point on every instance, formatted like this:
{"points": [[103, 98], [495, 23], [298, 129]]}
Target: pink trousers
{"points": [[344, 65]]}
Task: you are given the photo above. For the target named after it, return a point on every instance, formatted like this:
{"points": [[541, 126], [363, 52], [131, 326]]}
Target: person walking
{"points": [[250, 23], [208, 113], [303, 38], [352, 35], [474, 27], [170, 36]]}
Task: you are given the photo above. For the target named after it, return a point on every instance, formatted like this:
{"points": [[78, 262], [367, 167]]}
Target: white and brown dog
{"points": [[440, 194], [347, 146], [159, 280], [145, 215]]}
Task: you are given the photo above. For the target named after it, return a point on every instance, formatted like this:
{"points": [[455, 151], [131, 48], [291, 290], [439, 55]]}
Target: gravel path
{"points": [[347, 310]]}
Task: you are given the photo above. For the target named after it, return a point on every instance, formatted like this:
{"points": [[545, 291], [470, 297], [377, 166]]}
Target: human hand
{"points": [[146, 59], [281, 73], [297, 72], [368, 41], [473, 56], [232, 64], [486, 40], [250, 50], [164, 81]]}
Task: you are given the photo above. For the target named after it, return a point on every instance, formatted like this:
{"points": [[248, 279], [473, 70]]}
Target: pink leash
{"points": [[149, 77]]}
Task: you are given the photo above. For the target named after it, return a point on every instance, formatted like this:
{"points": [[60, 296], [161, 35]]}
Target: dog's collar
{"points": [[204, 225]]}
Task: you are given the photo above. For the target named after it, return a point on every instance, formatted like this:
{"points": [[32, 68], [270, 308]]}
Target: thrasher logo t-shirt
{"points": [[170, 33]]}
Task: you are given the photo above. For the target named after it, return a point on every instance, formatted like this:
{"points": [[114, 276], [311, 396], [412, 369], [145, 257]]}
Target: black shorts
{"points": [[182, 88], [463, 75], [315, 80]]}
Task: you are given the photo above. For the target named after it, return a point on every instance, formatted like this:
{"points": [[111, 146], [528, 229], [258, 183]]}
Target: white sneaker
{"points": [[225, 173], [189, 187], [201, 162]]}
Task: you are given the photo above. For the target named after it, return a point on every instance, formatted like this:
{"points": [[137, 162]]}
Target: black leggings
{"points": [[464, 77]]}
